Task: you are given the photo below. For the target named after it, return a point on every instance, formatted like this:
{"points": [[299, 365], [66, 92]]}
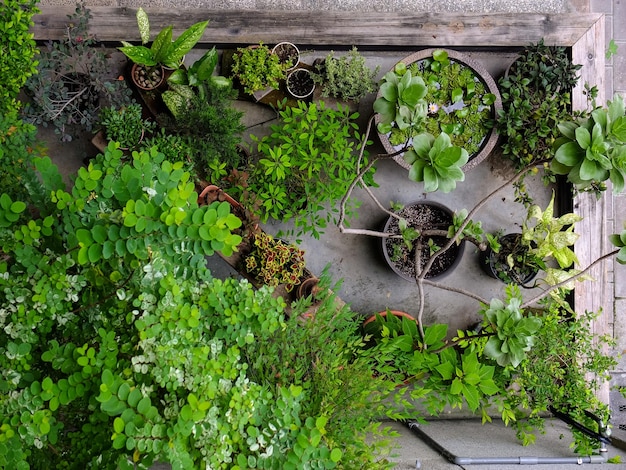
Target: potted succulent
{"points": [[438, 91], [300, 83], [258, 70], [73, 82], [346, 78], [148, 62], [517, 258], [124, 125], [592, 148]]}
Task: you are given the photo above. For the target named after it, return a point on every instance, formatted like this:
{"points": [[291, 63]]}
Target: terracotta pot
{"points": [[136, 70], [370, 328], [307, 287]]}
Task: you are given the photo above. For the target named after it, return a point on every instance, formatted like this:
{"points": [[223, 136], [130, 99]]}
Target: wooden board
{"points": [[385, 30]]}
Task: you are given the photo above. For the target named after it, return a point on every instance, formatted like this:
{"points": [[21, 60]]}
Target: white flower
{"points": [[432, 108]]}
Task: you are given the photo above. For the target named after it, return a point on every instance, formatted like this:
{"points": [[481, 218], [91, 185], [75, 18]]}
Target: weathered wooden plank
{"points": [[593, 232], [389, 30]]}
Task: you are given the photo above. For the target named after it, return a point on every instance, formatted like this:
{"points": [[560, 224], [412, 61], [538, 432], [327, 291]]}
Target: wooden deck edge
{"points": [[593, 230], [310, 28]]}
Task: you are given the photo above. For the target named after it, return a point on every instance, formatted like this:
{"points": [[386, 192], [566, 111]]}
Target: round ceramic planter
{"points": [[500, 270], [287, 51], [445, 263], [300, 83], [491, 138]]}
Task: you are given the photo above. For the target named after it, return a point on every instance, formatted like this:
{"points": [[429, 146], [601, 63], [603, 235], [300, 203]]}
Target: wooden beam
{"points": [[382, 30], [593, 241]]}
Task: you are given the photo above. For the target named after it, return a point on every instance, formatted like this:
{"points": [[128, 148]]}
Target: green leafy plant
{"points": [[592, 149], [163, 50], [18, 50], [125, 125], [305, 165], [619, 240], [210, 127], [346, 77], [436, 162], [72, 82], [256, 68], [196, 77], [275, 262], [536, 97]]}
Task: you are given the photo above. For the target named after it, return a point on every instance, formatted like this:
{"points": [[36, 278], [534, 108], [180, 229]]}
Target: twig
{"points": [[547, 292]]}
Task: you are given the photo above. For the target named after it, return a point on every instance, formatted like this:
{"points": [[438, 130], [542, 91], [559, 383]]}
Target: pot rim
{"points": [[460, 247], [490, 140], [297, 53], [292, 73]]}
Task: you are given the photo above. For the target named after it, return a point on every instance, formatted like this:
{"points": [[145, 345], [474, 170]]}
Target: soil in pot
{"points": [[497, 265], [423, 216], [300, 83], [287, 53]]}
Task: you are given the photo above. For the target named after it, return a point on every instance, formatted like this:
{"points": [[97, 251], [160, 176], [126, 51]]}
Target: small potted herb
{"points": [[345, 78], [258, 70], [125, 125]]}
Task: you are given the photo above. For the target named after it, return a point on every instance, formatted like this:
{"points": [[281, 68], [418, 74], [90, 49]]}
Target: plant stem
{"points": [[547, 292]]}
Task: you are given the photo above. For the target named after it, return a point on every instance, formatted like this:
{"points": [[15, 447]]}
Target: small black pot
{"points": [[431, 216], [495, 264]]}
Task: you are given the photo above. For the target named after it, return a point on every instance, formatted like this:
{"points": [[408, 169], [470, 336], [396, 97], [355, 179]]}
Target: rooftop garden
{"points": [[119, 348]]}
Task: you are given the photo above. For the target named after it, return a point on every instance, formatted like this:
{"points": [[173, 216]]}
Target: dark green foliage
{"points": [[125, 125], [536, 97], [210, 129], [73, 81]]}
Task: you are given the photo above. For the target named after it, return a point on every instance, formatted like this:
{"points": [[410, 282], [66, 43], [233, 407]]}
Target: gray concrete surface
{"points": [[373, 288]]}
